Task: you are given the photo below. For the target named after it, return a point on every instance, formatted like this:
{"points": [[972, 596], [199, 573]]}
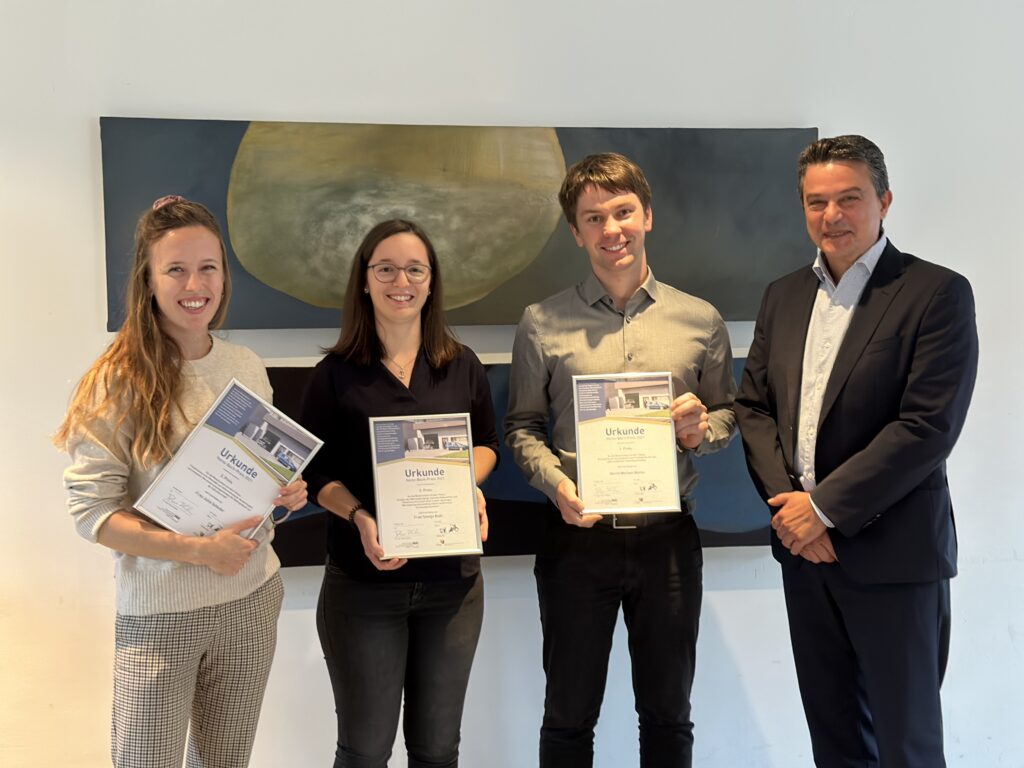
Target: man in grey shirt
{"points": [[618, 319]]}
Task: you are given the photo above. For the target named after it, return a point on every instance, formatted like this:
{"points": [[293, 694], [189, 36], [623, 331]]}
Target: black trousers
{"points": [[383, 640], [583, 577], [869, 659]]}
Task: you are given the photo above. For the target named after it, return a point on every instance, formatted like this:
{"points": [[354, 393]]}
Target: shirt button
{"points": [[629, 319], [629, 356]]}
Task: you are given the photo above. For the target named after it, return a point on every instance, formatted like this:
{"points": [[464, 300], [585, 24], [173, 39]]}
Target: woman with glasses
{"points": [[196, 618], [394, 625]]}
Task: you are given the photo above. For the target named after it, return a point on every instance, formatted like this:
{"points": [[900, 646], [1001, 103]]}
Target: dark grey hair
{"points": [[848, 149]]}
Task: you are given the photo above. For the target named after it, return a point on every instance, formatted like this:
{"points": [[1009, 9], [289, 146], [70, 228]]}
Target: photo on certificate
{"points": [[230, 467], [625, 443], [424, 485]]}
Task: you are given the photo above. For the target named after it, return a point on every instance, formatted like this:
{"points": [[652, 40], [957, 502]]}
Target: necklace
{"points": [[399, 366]]}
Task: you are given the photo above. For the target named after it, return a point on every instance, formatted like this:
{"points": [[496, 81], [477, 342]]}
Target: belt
{"points": [[640, 519]]}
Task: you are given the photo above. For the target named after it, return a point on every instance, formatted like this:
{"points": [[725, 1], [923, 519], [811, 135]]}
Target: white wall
{"points": [[939, 90]]}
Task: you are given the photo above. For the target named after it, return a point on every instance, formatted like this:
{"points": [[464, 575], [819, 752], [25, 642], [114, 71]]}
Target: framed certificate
{"points": [[424, 483], [230, 467], [625, 443]]}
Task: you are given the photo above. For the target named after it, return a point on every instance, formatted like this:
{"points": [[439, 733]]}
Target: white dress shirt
{"points": [[833, 309]]}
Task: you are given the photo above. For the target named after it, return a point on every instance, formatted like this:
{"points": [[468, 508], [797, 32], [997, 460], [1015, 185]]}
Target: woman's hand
{"points": [[481, 507], [292, 496], [371, 545], [227, 551]]}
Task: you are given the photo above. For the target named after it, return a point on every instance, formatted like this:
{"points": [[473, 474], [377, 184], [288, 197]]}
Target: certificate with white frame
{"points": [[625, 443], [424, 483], [230, 467]]}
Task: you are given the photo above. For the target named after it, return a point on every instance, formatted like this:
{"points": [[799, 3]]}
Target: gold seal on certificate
{"points": [[625, 443], [424, 484]]}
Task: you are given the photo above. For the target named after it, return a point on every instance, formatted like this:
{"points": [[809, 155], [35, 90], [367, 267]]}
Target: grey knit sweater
{"points": [[102, 479]]}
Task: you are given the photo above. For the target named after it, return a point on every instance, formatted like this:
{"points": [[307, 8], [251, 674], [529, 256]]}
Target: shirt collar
{"points": [[592, 291], [866, 262]]}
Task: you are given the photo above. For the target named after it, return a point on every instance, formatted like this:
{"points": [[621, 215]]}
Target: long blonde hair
{"points": [[139, 375]]}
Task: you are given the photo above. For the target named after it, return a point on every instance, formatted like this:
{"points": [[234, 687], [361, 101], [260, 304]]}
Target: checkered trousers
{"points": [[193, 679]]}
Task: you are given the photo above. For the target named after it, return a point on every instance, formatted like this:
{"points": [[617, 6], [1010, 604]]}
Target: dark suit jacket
{"points": [[893, 408]]}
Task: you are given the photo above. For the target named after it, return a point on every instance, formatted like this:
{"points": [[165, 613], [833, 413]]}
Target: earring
{"points": [[365, 289]]}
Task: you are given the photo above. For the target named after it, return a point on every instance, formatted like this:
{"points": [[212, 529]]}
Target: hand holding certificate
{"points": [[424, 485], [230, 468], [626, 443]]}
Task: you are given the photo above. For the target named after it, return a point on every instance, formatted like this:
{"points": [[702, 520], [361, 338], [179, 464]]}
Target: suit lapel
{"points": [[882, 287], [785, 358], [791, 354]]}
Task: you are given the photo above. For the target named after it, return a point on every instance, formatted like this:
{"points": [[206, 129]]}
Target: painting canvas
{"points": [[296, 199]]}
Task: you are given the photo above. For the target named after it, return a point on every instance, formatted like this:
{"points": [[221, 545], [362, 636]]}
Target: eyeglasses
{"points": [[388, 273]]}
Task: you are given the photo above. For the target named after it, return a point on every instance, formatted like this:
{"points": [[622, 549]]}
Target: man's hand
{"points": [[796, 522], [691, 420], [819, 550], [571, 506]]}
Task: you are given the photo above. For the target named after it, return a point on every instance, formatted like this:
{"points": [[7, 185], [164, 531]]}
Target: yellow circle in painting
{"points": [[303, 195]]}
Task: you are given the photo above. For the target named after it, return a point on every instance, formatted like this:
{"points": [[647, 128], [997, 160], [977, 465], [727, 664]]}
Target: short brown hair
{"points": [[359, 341], [610, 171]]}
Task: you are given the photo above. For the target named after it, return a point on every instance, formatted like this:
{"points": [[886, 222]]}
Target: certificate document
{"points": [[230, 467], [625, 443], [424, 484]]}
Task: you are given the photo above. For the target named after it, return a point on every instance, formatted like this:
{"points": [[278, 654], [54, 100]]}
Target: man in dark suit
{"points": [[855, 390]]}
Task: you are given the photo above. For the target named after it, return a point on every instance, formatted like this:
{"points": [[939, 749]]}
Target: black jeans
{"points": [[583, 577], [379, 639]]}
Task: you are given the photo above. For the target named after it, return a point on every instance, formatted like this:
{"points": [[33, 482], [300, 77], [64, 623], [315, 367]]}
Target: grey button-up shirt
{"points": [[579, 331]]}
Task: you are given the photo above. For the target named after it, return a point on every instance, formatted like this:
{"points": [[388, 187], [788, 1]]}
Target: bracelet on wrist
{"points": [[351, 516]]}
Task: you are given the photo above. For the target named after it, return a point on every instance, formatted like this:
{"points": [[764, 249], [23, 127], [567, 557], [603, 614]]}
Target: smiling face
{"points": [[400, 301], [843, 211], [186, 277], [611, 227]]}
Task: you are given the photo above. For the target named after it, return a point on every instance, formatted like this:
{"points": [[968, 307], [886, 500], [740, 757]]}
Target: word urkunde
{"points": [[237, 463]]}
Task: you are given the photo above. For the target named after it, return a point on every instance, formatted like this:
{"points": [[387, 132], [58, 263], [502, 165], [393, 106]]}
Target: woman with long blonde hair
{"points": [[196, 616]]}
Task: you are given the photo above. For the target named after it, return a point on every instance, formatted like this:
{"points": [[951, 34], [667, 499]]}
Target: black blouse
{"points": [[340, 399]]}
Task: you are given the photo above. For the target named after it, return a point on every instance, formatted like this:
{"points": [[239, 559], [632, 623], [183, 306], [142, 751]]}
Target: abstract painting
{"points": [[297, 198]]}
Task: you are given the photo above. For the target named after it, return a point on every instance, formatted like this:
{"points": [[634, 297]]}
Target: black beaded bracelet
{"points": [[352, 513]]}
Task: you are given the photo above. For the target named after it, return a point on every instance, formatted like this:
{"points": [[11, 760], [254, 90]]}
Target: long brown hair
{"points": [[359, 341], [138, 377]]}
